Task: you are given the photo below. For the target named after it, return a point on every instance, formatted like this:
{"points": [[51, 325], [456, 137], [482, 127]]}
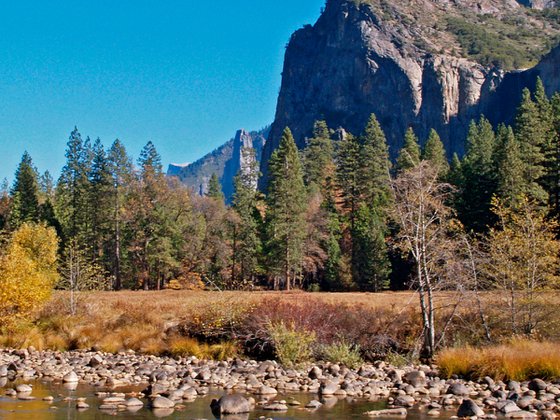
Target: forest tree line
{"points": [[337, 215]]}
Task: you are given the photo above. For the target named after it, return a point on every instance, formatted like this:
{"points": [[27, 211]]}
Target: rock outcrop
{"points": [[225, 162], [401, 61]]}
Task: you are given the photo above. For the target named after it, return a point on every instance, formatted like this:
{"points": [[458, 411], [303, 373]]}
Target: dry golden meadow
{"points": [[214, 325]]}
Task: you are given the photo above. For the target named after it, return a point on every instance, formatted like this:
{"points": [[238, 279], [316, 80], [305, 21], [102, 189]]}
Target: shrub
{"points": [[341, 352], [375, 330], [186, 346], [292, 346], [518, 360]]}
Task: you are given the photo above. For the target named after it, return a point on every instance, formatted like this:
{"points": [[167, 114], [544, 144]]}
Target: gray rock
{"points": [[469, 408], [313, 404], [3, 371], [276, 406], [24, 389], [507, 406], [315, 372], [328, 388], [231, 404], [521, 415], [162, 402], [70, 378], [390, 412], [266, 390], [416, 378], [537, 385], [405, 401], [134, 402], [458, 388]]}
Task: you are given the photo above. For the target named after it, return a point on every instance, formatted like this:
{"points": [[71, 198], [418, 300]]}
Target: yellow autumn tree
{"points": [[523, 261], [28, 271]]}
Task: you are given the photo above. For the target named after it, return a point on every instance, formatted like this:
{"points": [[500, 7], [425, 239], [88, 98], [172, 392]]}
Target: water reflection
{"points": [[64, 400]]}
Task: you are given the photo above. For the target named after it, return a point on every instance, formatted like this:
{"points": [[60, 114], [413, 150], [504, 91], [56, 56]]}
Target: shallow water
{"points": [[13, 408]]}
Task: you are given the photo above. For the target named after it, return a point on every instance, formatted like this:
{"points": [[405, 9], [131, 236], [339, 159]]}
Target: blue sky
{"points": [[183, 73]]}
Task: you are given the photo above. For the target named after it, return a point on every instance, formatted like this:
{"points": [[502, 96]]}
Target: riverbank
{"points": [[167, 381], [219, 325]]}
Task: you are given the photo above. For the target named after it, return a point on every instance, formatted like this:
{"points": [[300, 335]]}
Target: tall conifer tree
{"points": [[479, 177], [532, 140], [409, 156], [25, 193], [434, 152], [286, 201]]}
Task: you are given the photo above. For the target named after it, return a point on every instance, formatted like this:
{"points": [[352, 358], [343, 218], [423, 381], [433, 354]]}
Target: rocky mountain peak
{"points": [[414, 63]]}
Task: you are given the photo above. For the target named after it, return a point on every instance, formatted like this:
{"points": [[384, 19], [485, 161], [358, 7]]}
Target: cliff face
{"points": [[225, 162], [405, 62]]}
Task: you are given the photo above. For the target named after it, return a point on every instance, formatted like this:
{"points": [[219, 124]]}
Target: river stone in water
{"points": [[458, 389], [468, 408], [507, 406], [70, 378], [134, 402], [162, 402], [24, 389], [231, 404], [404, 401], [328, 388]]}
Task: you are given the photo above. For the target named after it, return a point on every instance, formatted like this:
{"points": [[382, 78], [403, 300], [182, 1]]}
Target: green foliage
{"points": [[478, 177], [286, 210], [341, 352], [292, 347], [215, 188], [434, 152], [371, 266], [409, 156], [318, 159], [510, 166], [25, 191], [490, 48], [532, 138]]}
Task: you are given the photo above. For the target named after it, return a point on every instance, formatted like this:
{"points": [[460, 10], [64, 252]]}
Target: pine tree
{"points": [[370, 259], [348, 178], [215, 188], [374, 167], [120, 170], [150, 160], [100, 189], [72, 189], [26, 194], [434, 152], [479, 177], [370, 262], [286, 201], [510, 167], [532, 140], [409, 156], [318, 159]]}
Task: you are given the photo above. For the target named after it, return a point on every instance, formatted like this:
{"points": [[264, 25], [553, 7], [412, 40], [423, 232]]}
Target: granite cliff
{"points": [[225, 162], [414, 63]]}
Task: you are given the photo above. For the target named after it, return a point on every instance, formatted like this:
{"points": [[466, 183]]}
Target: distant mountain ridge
{"points": [[225, 162]]}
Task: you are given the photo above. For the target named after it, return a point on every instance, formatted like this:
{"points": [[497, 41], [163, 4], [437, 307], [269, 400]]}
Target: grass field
{"points": [[223, 324]]}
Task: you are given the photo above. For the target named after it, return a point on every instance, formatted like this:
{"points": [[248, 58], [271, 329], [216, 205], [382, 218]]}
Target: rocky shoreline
{"points": [[167, 382]]}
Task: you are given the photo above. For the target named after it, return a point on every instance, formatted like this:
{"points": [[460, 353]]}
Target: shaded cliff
{"points": [[422, 64], [225, 162]]}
